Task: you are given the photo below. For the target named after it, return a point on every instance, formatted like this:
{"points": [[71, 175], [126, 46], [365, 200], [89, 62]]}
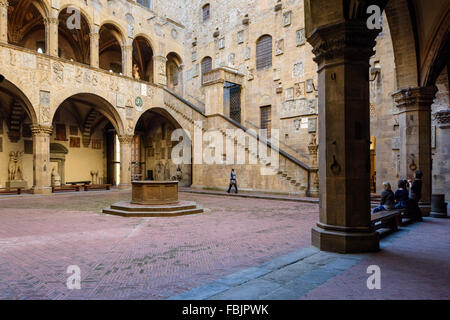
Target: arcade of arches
{"points": [[353, 107]]}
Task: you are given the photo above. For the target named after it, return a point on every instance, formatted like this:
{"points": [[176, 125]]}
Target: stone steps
{"points": [[126, 209]]}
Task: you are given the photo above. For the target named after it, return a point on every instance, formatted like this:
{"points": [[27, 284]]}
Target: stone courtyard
{"points": [[176, 257], [316, 110]]}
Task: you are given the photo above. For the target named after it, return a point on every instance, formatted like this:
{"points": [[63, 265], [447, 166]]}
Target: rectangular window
{"points": [[264, 52], [206, 12], [266, 119], [144, 3]]}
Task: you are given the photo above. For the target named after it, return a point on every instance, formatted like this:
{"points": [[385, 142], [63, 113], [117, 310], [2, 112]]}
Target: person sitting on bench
{"points": [[387, 199], [401, 195]]}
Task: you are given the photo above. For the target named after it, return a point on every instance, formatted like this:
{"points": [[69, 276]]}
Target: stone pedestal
{"points": [[438, 206], [154, 199], [154, 192], [16, 184], [342, 51]]}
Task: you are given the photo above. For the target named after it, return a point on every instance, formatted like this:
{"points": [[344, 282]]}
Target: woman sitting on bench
{"points": [[387, 199], [401, 195]]}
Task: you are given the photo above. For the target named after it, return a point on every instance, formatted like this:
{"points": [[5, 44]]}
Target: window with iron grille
{"points": [[206, 65], [206, 12], [144, 3], [266, 119], [264, 52]]}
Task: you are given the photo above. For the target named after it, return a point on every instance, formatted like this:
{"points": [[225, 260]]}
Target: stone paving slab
{"points": [[304, 272], [251, 290]]}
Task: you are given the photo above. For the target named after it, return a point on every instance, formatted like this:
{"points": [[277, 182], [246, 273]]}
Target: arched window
{"points": [[264, 52], [206, 65], [206, 12]]}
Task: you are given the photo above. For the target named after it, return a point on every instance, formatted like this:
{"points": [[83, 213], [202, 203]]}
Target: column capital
{"points": [[127, 47], [50, 20], [419, 97], [349, 40], [159, 57], [41, 130], [4, 3], [94, 35], [125, 138]]}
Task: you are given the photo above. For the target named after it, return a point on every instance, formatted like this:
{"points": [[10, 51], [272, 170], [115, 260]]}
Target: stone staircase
{"points": [[87, 126], [291, 172], [15, 121]]}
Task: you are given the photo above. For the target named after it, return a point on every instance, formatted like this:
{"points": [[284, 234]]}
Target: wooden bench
{"points": [[79, 182], [390, 219], [11, 191], [88, 187], [67, 187]]}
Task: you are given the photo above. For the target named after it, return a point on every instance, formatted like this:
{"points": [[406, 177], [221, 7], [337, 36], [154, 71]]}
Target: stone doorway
{"points": [[232, 101], [58, 160]]}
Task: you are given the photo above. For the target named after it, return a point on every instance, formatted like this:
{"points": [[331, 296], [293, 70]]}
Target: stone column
{"points": [[125, 160], [94, 36], [51, 35], [41, 158], [127, 60], [4, 21], [414, 106], [214, 97], [159, 70], [342, 51]]}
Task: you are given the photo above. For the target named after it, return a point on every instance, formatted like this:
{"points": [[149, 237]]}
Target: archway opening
{"points": [[142, 59], [110, 51], [87, 128], [73, 36], [26, 26], [16, 140], [152, 149]]}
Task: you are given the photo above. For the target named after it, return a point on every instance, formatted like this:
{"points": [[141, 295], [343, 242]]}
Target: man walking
{"points": [[233, 181]]}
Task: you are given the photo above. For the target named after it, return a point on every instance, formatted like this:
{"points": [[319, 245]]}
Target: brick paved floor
{"points": [[138, 258], [413, 264]]}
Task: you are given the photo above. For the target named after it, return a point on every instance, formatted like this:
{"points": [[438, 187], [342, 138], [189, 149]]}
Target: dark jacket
{"points": [[387, 199], [401, 195], [416, 190]]}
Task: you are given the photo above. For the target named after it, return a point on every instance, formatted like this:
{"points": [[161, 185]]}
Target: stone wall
{"points": [[287, 85]]}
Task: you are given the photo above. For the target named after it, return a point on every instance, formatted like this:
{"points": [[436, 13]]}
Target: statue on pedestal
{"points": [[12, 166], [15, 171]]}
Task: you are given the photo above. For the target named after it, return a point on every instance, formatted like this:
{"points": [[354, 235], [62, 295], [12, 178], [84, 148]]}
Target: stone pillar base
{"points": [[43, 190], [344, 242], [124, 186], [425, 208], [438, 215]]}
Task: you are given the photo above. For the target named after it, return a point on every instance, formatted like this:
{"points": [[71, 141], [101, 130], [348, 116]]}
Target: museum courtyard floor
{"points": [[239, 248]]}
